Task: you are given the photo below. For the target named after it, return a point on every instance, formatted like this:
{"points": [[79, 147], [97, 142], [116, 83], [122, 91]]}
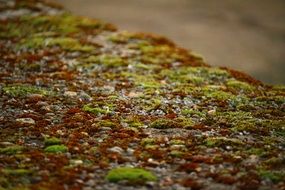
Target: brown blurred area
{"points": [[247, 35]]}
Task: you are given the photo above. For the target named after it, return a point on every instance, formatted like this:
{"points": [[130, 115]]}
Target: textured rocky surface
{"points": [[85, 106]]}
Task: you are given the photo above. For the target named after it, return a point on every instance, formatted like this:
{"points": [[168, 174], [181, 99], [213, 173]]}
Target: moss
{"points": [[95, 110], [218, 95], [56, 149], [106, 123], [121, 37], [147, 141], [24, 90], [256, 151], [16, 172], [191, 112], [146, 66], [52, 141], [219, 141], [69, 44], [10, 30], [177, 142], [132, 175], [11, 150], [274, 176], [152, 147], [195, 75], [66, 43], [241, 121], [163, 124], [143, 81], [184, 122], [62, 24], [168, 123], [106, 60], [239, 86], [176, 153], [133, 122], [146, 48]]}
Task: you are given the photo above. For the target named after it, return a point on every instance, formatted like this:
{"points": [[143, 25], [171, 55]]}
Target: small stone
{"points": [[28, 121], [91, 182], [152, 161], [83, 96], [116, 149], [135, 94], [76, 162], [177, 146], [70, 93], [130, 151], [212, 112], [60, 132], [105, 128]]}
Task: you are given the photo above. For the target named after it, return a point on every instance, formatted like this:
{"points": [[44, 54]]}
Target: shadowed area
{"points": [[245, 35]]}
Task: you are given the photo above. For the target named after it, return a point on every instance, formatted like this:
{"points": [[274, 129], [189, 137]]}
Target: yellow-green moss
{"points": [[132, 175], [11, 150], [163, 124], [66, 43], [94, 110], [24, 90], [52, 141], [16, 172], [176, 153], [107, 60], [56, 149], [274, 176], [147, 141], [239, 86], [218, 141], [106, 123]]}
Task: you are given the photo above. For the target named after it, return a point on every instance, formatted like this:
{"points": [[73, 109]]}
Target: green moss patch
{"points": [[11, 150], [24, 90], [56, 149], [132, 175], [52, 141], [66, 43], [222, 141], [95, 110], [16, 172]]}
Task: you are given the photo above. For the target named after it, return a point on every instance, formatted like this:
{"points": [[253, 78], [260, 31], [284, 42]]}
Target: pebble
{"points": [[77, 162], [212, 112], [130, 151], [105, 128], [70, 94], [116, 149], [28, 121], [177, 146], [90, 182], [83, 96]]}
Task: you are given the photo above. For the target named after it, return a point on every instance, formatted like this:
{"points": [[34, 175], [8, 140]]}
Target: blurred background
{"points": [[247, 35]]}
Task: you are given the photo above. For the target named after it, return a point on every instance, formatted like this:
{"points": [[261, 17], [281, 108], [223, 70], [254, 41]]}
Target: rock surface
{"points": [[80, 100]]}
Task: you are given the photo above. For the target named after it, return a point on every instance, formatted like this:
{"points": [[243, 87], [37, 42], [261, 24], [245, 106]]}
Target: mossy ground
{"points": [[95, 99]]}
